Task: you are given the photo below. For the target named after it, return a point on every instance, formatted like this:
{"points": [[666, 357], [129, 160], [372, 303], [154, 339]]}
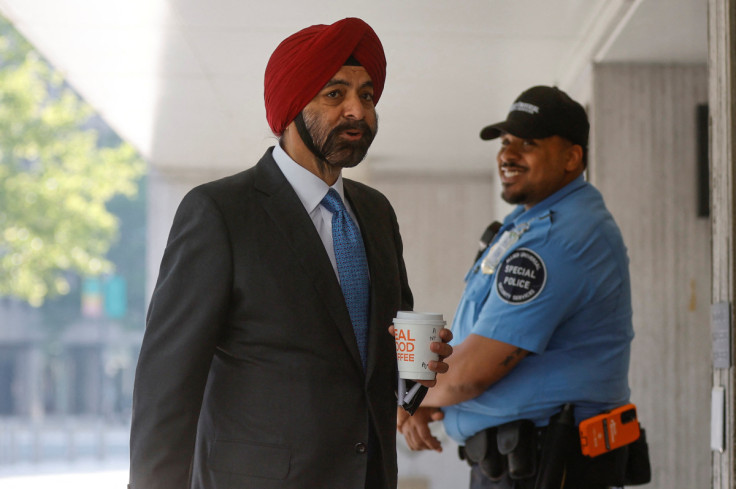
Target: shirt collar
{"points": [[308, 187], [521, 214]]}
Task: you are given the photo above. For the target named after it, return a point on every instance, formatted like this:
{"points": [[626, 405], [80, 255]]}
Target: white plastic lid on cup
{"points": [[420, 317]]}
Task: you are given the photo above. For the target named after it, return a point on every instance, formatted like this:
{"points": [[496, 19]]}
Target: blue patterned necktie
{"points": [[352, 267]]}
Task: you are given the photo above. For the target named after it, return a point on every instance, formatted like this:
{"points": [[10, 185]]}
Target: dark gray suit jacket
{"points": [[249, 374]]}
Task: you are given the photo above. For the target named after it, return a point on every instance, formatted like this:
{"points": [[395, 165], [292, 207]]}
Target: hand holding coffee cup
{"points": [[413, 333]]}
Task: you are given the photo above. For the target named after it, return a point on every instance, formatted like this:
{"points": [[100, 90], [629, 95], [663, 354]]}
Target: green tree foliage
{"points": [[55, 179]]}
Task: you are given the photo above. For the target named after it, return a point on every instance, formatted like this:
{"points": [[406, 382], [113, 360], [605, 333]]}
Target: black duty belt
{"points": [[512, 447], [521, 449]]}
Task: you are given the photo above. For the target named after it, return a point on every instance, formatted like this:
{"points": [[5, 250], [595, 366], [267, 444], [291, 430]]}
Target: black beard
{"points": [[513, 199], [327, 145]]}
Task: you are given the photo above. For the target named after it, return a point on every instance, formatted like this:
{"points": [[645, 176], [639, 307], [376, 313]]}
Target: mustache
{"points": [[507, 164], [353, 125]]}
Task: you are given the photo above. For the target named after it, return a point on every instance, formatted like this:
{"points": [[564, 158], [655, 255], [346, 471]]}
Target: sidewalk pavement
{"points": [[91, 474]]}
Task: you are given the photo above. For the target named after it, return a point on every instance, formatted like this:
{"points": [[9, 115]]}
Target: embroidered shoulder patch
{"points": [[521, 277]]}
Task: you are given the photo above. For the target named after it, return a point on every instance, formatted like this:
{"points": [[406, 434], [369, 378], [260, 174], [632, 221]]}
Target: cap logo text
{"points": [[524, 107]]}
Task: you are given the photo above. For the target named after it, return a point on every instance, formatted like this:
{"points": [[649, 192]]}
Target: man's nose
{"points": [[508, 153], [353, 107]]}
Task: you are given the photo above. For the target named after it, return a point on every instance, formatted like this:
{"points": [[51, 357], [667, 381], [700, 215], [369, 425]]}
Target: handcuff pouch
{"points": [[482, 449], [518, 441]]}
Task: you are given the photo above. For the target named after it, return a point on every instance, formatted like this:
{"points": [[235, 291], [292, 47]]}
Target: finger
{"points": [[417, 432], [391, 330], [428, 441], [415, 441], [437, 415], [439, 367], [442, 349], [446, 335], [427, 383], [411, 440], [434, 444]]}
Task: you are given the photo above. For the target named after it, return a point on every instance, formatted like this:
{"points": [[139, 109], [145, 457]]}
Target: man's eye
{"points": [[367, 96], [333, 94]]}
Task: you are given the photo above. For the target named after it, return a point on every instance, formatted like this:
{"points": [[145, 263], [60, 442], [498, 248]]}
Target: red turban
{"points": [[304, 62]]}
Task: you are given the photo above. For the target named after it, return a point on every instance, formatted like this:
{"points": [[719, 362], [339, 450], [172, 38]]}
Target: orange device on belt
{"points": [[609, 430]]}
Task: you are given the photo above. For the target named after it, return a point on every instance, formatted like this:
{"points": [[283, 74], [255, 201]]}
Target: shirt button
{"points": [[360, 448]]}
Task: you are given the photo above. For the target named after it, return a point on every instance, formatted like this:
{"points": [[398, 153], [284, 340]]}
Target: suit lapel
{"points": [[283, 206]]}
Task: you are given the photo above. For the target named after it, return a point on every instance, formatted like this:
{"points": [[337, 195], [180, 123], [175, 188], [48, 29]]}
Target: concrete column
{"points": [[644, 161]]}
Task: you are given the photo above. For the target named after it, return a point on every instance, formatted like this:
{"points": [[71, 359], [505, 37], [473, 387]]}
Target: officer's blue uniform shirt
{"points": [[562, 293]]}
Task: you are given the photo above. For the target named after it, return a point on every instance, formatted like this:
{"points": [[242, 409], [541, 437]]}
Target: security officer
{"points": [[545, 318]]}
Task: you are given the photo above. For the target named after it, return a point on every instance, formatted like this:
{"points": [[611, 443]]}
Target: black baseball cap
{"points": [[541, 112]]}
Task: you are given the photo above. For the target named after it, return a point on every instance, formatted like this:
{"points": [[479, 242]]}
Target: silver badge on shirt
{"points": [[500, 247]]}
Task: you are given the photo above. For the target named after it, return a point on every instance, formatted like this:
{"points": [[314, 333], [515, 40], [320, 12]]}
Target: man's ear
{"points": [[574, 158]]}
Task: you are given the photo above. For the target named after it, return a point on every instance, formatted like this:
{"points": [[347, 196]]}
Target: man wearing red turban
{"points": [[266, 361]]}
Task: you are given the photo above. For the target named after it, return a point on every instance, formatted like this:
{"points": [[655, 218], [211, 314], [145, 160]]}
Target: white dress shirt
{"points": [[311, 190]]}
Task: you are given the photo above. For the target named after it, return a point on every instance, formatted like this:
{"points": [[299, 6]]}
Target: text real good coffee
{"points": [[414, 331]]}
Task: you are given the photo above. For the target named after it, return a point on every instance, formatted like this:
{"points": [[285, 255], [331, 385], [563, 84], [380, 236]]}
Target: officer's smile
{"points": [[509, 171]]}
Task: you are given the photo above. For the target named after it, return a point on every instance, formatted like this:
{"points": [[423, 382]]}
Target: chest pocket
{"points": [[478, 286]]}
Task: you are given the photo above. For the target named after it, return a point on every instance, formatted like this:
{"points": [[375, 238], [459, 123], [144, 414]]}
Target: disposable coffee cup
{"points": [[414, 331]]}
